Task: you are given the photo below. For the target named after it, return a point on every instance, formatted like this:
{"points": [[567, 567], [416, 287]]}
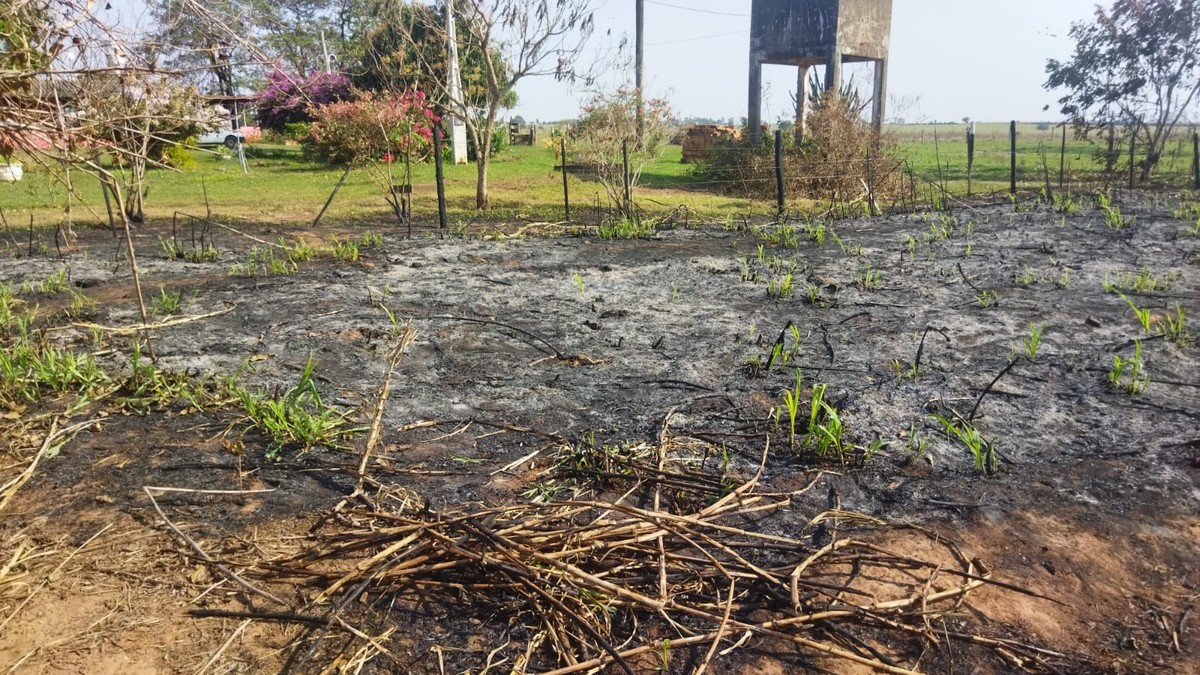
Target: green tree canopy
{"points": [[1137, 66], [408, 50], [286, 34], [22, 30]]}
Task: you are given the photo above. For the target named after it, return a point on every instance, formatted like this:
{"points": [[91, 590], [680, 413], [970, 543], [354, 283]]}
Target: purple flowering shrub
{"points": [[288, 99]]}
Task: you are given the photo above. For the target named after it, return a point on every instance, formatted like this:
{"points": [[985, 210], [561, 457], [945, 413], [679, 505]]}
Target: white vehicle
{"points": [[227, 137]]}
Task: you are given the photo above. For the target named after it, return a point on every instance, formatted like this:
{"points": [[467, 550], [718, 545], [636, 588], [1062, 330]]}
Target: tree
{"points": [[23, 30], [373, 132], [1135, 65], [608, 126], [191, 45], [409, 51], [74, 88], [286, 35], [138, 116], [526, 39]]}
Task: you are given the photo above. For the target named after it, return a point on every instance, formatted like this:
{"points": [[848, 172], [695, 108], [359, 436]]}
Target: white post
{"points": [[325, 53], [458, 130]]}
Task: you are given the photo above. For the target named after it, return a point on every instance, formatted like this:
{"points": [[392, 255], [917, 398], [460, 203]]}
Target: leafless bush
{"points": [[841, 158], [609, 126]]}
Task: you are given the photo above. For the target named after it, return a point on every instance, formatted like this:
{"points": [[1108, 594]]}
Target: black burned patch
{"points": [[919, 332]]}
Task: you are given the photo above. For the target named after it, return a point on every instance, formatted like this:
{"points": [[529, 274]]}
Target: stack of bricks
{"points": [[698, 139]]}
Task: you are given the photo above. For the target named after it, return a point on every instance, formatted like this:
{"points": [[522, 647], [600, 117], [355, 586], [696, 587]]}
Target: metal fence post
{"points": [[1012, 143], [779, 196]]}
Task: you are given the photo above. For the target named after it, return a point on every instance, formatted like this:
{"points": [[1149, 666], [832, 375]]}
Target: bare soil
{"points": [[529, 342]]}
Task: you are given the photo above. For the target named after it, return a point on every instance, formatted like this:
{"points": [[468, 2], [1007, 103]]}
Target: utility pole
{"points": [[458, 129], [325, 53], [639, 57]]}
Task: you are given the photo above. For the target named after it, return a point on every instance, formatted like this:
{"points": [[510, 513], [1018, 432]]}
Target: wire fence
{"points": [[918, 172], [927, 173]]}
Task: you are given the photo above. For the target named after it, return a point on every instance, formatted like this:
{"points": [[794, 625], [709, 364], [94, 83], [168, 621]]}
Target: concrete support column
{"points": [[879, 108], [801, 103], [833, 71], [754, 110]]}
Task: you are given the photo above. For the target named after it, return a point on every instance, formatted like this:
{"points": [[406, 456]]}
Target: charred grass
{"points": [[568, 464]]}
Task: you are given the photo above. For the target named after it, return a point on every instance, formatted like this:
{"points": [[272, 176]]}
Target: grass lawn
{"points": [[284, 188]]}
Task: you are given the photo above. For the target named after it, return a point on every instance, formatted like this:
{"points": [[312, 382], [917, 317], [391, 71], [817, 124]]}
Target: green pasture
{"points": [[284, 188], [938, 153]]}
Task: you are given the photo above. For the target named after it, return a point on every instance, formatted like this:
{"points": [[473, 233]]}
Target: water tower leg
{"points": [[801, 103], [833, 72], [879, 108], [754, 110]]}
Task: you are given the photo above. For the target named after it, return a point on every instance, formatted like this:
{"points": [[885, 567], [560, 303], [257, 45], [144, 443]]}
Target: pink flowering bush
{"points": [[251, 134], [372, 128]]}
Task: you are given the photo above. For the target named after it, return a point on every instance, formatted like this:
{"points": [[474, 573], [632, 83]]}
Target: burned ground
{"points": [[530, 348]]}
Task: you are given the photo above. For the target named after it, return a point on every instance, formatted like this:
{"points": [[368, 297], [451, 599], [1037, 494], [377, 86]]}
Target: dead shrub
{"points": [[842, 158]]}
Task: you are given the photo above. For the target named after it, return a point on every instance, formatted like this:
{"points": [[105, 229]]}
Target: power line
{"points": [[694, 9], [697, 39]]}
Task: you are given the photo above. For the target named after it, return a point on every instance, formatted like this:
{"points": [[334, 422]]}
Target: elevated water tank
{"points": [[807, 33]]}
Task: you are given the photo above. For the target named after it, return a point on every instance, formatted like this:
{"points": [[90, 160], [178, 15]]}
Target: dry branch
{"points": [[592, 576]]}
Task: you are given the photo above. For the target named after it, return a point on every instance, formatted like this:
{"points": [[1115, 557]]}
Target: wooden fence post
{"points": [[329, 201], [1196, 158], [439, 175], [1132, 156], [628, 191], [562, 144], [970, 155], [1062, 160], [779, 195]]}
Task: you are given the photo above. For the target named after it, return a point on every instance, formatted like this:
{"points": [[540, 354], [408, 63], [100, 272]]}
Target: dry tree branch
{"points": [[403, 340], [9, 489], [225, 571], [573, 566]]}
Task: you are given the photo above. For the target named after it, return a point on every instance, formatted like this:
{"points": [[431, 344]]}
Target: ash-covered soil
{"points": [[525, 342]]}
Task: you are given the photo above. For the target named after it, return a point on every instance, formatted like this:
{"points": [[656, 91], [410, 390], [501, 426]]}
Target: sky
{"points": [[961, 58], [957, 58]]}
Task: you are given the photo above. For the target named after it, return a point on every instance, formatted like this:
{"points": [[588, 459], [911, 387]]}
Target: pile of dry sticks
{"points": [[606, 584]]}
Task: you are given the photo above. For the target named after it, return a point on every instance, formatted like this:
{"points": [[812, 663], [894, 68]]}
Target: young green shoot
{"points": [[781, 288], [297, 419], [1034, 340], [1143, 315], [987, 298], [1129, 375], [167, 303], [868, 277], [981, 449], [345, 250], [915, 447], [791, 403], [1173, 327]]}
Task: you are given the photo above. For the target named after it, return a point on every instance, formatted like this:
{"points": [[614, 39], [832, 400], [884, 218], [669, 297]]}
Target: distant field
{"points": [[284, 188], [938, 152]]}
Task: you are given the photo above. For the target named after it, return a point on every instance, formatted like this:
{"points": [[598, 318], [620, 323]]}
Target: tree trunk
{"points": [[482, 159]]}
